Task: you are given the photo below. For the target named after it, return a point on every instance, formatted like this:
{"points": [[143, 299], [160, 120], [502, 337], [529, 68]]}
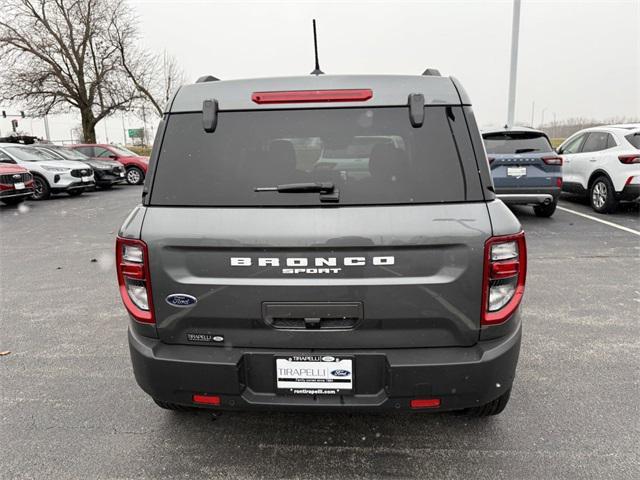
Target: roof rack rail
{"points": [[432, 72], [207, 78]]}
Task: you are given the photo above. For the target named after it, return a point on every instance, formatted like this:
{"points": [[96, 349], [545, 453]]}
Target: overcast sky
{"points": [[576, 58]]}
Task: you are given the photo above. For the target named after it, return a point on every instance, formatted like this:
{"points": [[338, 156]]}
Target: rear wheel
{"points": [[75, 193], [135, 176], [171, 406], [545, 210], [602, 195], [41, 190], [13, 201], [494, 407]]}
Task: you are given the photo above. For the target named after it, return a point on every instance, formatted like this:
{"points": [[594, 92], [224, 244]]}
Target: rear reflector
{"points": [[425, 403], [552, 160], [312, 96], [206, 399]]}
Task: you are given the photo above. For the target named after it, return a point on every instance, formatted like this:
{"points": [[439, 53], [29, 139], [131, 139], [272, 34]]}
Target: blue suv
{"points": [[525, 168]]}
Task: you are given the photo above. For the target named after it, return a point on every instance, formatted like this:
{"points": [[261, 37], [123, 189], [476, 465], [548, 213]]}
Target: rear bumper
{"points": [[385, 379], [630, 193], [528, 196]]}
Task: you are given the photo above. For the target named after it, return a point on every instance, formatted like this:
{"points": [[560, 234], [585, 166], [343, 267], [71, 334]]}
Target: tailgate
{"points": [[523, 171], [349, 277]]}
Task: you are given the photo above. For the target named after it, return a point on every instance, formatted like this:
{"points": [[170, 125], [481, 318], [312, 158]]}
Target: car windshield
{"points": [[368, 155], [31, 154], [123, 152], [68, 153], [516, 142], [634, 139]]}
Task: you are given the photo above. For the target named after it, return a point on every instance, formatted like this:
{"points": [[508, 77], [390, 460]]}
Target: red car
{"points": [[16, 183], [135, 165]]}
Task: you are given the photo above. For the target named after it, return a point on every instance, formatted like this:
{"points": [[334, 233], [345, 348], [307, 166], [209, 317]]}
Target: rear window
{"points": [[634, 139], [516, 142], [371, 155]]}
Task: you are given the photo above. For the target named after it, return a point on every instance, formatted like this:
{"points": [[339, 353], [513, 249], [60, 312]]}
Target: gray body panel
{"points": [[430, 296]]}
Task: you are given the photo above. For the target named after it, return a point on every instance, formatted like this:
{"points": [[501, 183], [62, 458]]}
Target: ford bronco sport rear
{"points": [[322, 242]]}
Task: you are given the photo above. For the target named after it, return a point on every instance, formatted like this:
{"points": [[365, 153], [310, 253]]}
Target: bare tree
{"points": [[66, 54]]}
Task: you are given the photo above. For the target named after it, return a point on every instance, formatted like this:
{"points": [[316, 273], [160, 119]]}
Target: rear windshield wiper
{"points": [[327, 190], [526, 150]]}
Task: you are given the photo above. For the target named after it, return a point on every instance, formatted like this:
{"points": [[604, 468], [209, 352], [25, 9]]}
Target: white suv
{"points": [[50, 174], [603, 162]]}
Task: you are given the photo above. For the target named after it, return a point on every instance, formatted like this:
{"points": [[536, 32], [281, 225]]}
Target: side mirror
{"points": [[7, 160], [113, 156]]}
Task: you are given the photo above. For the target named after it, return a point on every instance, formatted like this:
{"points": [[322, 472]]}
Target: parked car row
{"points": [[37, 171], [601, 163]]}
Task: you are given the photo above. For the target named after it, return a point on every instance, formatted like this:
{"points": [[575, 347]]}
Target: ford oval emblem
{"points": [[181, 300], [341, 373]]}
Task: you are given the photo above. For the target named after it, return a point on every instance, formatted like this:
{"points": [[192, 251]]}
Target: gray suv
{"points": [[322, 243]]}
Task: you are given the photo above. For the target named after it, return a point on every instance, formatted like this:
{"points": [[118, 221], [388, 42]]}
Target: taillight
{"points": [[505, 270], [552, 160], [312, 96], [559, 182], [132, 263], [630, 158]]}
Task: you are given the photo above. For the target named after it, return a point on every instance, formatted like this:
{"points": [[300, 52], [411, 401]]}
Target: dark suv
{"points": [[322, 243]]}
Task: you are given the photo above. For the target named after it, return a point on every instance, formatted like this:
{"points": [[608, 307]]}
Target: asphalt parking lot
{"points": [[70, 407]]}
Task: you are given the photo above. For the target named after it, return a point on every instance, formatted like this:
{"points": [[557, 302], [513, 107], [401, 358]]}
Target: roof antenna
{"points": [[317, 70]]}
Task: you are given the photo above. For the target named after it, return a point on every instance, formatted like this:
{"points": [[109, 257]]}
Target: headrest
{"points": [[282, 155]]}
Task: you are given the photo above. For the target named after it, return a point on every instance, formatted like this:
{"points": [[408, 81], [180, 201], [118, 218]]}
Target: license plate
{"points": [[314, 375], [86, 179], [517, 171], [18, 186]]}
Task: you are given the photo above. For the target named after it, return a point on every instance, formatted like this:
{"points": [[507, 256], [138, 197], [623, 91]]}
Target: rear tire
{"points": [[494, 407], [75, 193], [41, 189], [602, 196], [13, 201], [171, 406], [545, 210], [135, 176]]}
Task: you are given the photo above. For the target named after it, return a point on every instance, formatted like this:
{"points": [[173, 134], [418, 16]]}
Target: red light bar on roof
{"points": [[313, 96]]}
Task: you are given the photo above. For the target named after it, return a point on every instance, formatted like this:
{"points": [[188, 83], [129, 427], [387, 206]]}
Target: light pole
{"points": [[515, 34], [542, 117]]}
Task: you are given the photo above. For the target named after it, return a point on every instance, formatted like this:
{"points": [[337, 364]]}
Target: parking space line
{"points": [[596, 219]]}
